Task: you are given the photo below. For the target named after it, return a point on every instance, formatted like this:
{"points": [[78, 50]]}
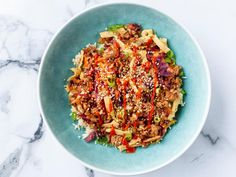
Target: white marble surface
{"points": [[26, 146]]}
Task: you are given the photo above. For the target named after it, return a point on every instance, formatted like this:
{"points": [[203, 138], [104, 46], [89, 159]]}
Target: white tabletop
{"points": [[26, 146]]}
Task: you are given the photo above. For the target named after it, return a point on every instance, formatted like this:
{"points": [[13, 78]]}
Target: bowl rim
{"points": [[205, 65]]}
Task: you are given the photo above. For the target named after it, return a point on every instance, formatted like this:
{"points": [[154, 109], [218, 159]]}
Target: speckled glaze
{"points": [[83, 29]]}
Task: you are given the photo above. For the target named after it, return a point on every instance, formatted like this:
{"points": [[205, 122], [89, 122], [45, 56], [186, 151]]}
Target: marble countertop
{"points": [[28, 148]]}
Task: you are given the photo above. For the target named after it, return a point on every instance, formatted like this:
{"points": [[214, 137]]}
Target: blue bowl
{"points": [[84, 28]]}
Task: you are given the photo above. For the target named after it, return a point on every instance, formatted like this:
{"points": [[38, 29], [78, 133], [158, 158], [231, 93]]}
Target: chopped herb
{"points": [[172, 121], [183, 92], [170, 57], [170, 54], [157, 119], [181, 73], [112, 114], [157, 90], [73, 116], [154, 31], [115, 27], [100, 48], [126, 54], [168, 60], [174, 62], [111, 82], [120, 113], [128, 136], [103, 141]]}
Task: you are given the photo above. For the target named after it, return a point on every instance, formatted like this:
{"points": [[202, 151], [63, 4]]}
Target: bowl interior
{"points": [[85, 29]]}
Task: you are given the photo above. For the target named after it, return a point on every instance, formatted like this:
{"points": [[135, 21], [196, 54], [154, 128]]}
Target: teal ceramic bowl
{"points": [[84, 28]]}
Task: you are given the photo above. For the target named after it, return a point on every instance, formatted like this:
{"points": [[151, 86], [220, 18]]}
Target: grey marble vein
{"points": [[69, 11], [4, 100], [89, 172], [209, 138], [197, 157], [33, 64], [11, 163], [6, 49], [86, 2], [38, 133]]}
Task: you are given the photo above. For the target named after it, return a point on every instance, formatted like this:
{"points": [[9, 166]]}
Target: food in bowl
{"points": [[126, 88]]}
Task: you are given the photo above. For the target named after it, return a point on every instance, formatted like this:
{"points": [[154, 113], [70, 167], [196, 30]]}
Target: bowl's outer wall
{"points": [[85, 29]]}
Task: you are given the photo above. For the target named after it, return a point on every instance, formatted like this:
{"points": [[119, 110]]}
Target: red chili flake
{"points": [[118, 81], [130, 149], [90, 86], [135, 137], [134, 67], [107, 88], [112, 132], [110, 107], [134, 79], [96, 59], [147, 66], [116, 44], [99, 118], [125, 142], [135, 124], [127, 126], [119, 36], [139, 93], [135, 49], [96, 56], [149, 42], [117, 94], [75, 94], [131, 26], [150, 114]]}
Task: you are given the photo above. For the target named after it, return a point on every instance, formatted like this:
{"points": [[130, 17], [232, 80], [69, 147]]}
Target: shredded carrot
{"points": [[85, 62], [99, 118], [139, 93], [117, 94], [127, 126], [112, 132]]}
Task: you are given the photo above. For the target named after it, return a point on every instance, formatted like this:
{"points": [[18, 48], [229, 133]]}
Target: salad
{"points": [[126, 88]]}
